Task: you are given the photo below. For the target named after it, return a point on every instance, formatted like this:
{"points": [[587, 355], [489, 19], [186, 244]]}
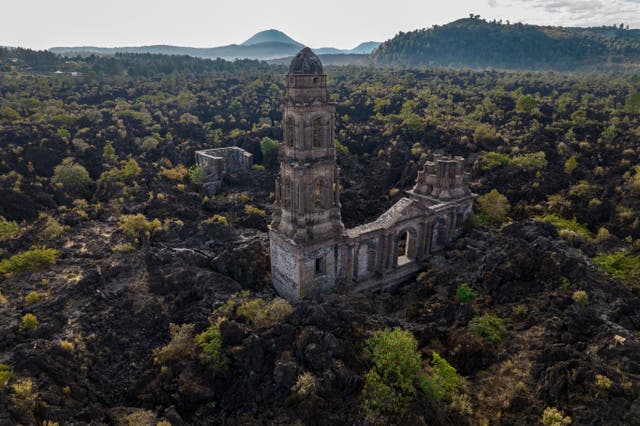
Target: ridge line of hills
{"points": [[265, 45], [470, 42]]}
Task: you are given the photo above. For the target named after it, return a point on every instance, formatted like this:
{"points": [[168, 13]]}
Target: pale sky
{"points": [[41, 24]]}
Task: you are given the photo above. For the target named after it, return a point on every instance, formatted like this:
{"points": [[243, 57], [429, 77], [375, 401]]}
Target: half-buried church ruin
{"points": [[311, 251]]}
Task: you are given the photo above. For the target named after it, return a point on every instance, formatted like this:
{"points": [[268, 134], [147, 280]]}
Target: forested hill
{"points": [[476, 43]]}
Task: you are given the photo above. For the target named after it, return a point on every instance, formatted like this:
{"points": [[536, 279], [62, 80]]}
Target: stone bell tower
{"points": [[306, 230]]}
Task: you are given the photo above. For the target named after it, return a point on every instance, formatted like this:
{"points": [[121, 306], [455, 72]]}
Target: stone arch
{"points": [[289, 130], [406, 245], [316, 132]]}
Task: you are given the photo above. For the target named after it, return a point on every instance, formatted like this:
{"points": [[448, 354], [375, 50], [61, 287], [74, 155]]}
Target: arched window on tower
{"points": [[318, 194], [289, 131], [317, 132]]}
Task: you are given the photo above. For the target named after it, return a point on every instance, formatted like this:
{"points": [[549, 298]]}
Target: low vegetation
{"points": [[398, 374], [30, 260], [489, 327], [138, 227], [621, 266]]}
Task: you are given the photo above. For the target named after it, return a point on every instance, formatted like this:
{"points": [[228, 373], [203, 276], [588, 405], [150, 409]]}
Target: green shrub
{"points": [[177, 173], [258, 312], [52, 229], [398, 372], [31, 260], [210, 344], [8, 114], [179, 347], [137, 226], [445, 380], [259, 167], [489, 327], [603, 382], [581, 297], [216, 218], [566, 224], [35, 297], [24, 394], [29, 322], [490, 160], [341, 150], [5, 375], [128, 170], [390, 385], [73, 177], [197, 174], [530, 161], [620, 265], [252, 210], [7, 229], [554, 417], [485, 134], [109, 152], [465, 294], [570, 165], [525, 104], [494, 206], [269, 147], [306, 385], [632, 103]]}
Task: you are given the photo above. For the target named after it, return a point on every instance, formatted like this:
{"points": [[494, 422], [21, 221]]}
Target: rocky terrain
{"points": [[115, 309], [129, 297]]}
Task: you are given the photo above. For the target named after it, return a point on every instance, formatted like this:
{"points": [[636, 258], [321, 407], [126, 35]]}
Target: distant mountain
{"points": [[271, 36], [477, 43], [366, 47], [265, 45]]}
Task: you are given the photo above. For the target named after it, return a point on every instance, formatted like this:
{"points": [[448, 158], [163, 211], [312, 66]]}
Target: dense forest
{"points": [[477, 43], [129, 297]]}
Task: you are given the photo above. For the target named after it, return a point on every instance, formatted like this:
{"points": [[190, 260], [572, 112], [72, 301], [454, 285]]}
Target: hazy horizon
{"points": [[197, 23]]}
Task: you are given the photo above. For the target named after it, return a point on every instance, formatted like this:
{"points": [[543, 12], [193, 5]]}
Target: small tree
{"points": [[494, 205], [269, 148], [525, 104], [632, 104], [570, 165], [210, 343], [73, 177], [465, 294], [197, 174], [391, 383], [137, 226]]}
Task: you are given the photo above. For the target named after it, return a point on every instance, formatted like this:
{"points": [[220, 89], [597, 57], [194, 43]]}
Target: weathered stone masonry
{"points": [[311, 252], [217, 162]]}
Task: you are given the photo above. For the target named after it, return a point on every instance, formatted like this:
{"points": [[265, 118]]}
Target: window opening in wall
{"points": [[404, 246], [317, 132], [290, 130], [321, 266]]}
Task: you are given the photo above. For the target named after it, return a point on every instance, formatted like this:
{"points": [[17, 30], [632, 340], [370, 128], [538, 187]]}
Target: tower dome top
{"points": [[306, 62]]}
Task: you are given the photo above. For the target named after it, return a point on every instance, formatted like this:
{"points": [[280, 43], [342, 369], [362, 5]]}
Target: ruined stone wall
{"points": [[217, 162]]}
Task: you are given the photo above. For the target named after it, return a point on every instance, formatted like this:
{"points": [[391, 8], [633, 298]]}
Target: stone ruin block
{"points": [[217, 162]]}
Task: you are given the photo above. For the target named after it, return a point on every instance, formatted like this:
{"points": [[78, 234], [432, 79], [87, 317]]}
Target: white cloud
{"points": [[586, 12]]}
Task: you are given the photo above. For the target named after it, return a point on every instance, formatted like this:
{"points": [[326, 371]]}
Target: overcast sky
{"points": [[338, 23]]}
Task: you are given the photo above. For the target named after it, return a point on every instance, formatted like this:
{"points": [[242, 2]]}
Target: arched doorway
{"points": [[406, 246]]}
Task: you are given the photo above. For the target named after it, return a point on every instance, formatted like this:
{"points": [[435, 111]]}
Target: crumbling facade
{"points": [[217, 162], [311, 252]]}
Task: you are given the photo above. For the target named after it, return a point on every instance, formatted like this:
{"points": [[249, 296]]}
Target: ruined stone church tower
{"points": [[306, 228], [311, 252]]}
